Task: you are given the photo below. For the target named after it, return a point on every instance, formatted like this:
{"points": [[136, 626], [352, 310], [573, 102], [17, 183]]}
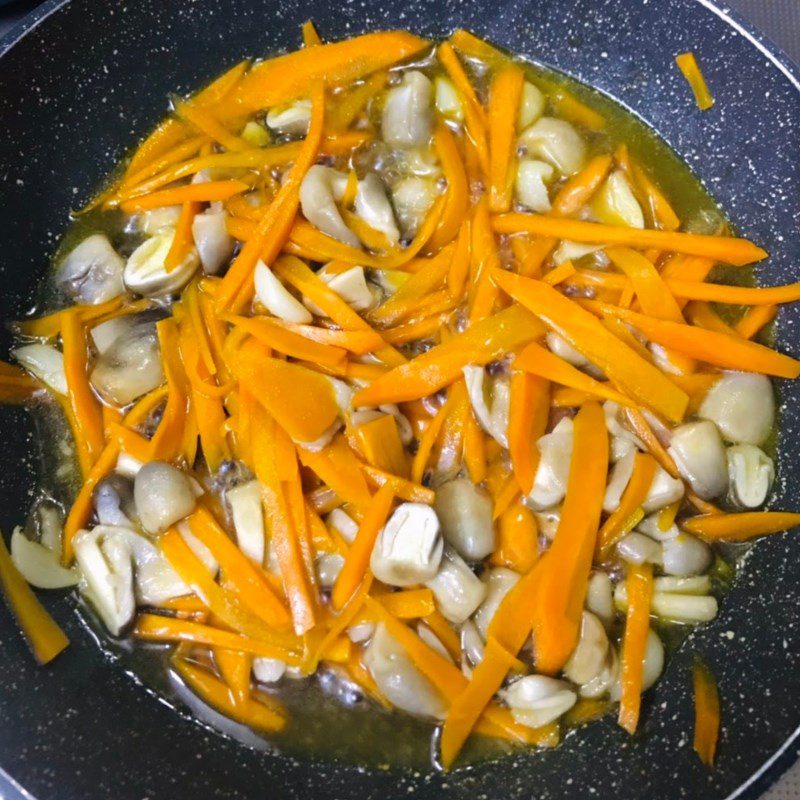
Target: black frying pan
{"points": [[88, 77]]}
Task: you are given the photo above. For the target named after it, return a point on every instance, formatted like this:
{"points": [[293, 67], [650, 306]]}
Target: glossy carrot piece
{"points": [[457, 203], [687, 63], [310, 36], [208, 192], [379, 441], [528, 413], [504, 97], [755, 319], [183, 242], [402, 488], [706, 713], [517, 540], [741, 527], [580, 188]]}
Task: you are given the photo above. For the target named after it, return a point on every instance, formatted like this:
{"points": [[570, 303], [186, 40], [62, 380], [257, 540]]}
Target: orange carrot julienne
{"points": [[653, 293], [626, 368], [701, 314], [729, 250], [528, 413], [559, 274], [310, 35], [639, 584], [402, 488], [755, 319], [356, 563], [504, 97], [741, 527], [457, 202], [660, 209], [482, 294], [426, 444], [409, 603], [537, 360], [687, 63], [564, 576], [205, 122], [235, 667], [706, 713], [578, 189], [379, 441], [518, 540], [183, 242], [43, 635], [211, 191]]}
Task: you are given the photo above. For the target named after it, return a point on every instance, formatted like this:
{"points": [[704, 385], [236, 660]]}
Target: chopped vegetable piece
{"points": [[687, 63], [741, 527], [706, 713]]}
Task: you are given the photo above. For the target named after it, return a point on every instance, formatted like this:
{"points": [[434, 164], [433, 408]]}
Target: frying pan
{"points": [[81, 80]]}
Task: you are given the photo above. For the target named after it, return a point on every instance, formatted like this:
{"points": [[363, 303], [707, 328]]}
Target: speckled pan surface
{"points": [[89, 76]]}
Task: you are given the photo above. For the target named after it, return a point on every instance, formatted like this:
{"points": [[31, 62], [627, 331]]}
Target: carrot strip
{"points": [[310, 35], [412, 331], [41, 632], [181, 152], [426, 444], [356, 563], [639, 584], [559, 274], [210, 191], [239, 571], [183, 242], [701, 314], [255, 714], [539, 361], [687, 63], [504, 97], [569, 107], [344, 113], [580, 188], [158, 628], [660, 208], [459, 265], [427, 373], [285, 78], [517, 541], [357, 342], [738, 252], [235, 668], [273, 228], [706, 713], [379, 441], [457, 202], [625, 367], [741, 527], [484, 259], [564, 575], [755, 319], [283, 339], [721, 349], [653, 293], [205, 122], [337, 466], [618, 523], [527, 422], [402, 488], [474, 118], [409, 604]]}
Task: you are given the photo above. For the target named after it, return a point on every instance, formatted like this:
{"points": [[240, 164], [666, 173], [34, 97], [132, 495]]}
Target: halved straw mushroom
{"points": [[563, 349], [636, 548], [248, 519], [685, 555], [373, 206], [536, 700], [164, 496], [319, 191], [213, 242], [44, 362], [457, 589], [156, 219], [472, 645], [412, 198], [589, 657], [113, 501], [155, 581], [400, 682], [531, 184], [40, 565], [292, 119], [600, 597], [699, 454], [677, 599], [407, 112], [92, 272], [557, 142], [447, 99], [146, 274], [329, 565], [277, 299], [106, 333], [742, 406], [750, 475], [653, 665], [568, 250], [532, 104], [351, 285], [616, 204], [493, 420], [555, 454], [465, 514], [499, 582], [409, 548]]}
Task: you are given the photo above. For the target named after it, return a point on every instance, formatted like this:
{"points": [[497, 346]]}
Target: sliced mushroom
{"points": [[399, 680], [499, 582], [155, 580], [130, 367], [555, 454], [589, 657], [44, 362], [572, 251], [465, 514], [699, 454], [536, 700], [650, 526], [277, 299], [320, 189], [618, 481], [750, 475], [653, 665], [163, 495], [105, 561], [742, 405], [407, 113], [106, 333], [616, 204], [248, 519], [292, 119], [472, 645], [408, 550], [433, 641], [493, 420], [531, 105], [678, 601], [156, 219], [600, 597], [563, 349], [268, 670], [373, 206], [213, 242], [636, 548], [329, 566], [343, 523], [92, 272], [39, 565], [458, 591], [412, 198], [146, 274], [664, 490], [531, 184], [351, 285], [604, 681], [447, 99], [113, 501], [557, 142]]}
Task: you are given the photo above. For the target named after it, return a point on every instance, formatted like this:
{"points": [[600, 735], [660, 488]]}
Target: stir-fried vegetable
{"points": [[414, 373]]}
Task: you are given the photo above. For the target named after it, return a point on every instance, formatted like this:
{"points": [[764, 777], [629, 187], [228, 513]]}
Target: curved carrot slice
{"points": [[687, 63], [741, 527], [481, 343], [528, 412], [43, 635], [639, 584], [578, 190], [653, 293], [629, 371], [564, 574], [356, 563], [504, 96], [721, 349], [457, 202], [337, 466], [208, 192], [517, 541], [706, 713], [755, 319], [729, 250]]}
